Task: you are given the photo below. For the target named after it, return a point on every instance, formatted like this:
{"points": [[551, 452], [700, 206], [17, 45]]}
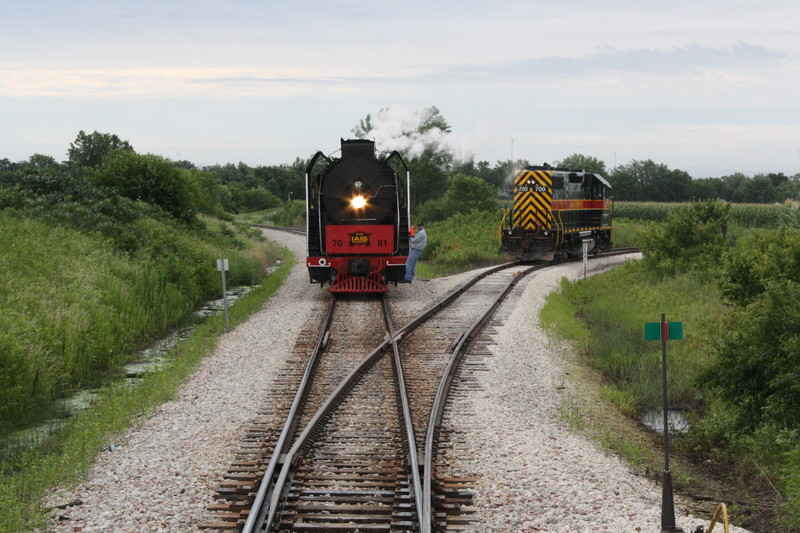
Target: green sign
{"points": [[674, 331]]}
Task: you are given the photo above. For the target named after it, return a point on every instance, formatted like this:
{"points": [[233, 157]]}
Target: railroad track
{"points": [[293, 231], [362, 421]]}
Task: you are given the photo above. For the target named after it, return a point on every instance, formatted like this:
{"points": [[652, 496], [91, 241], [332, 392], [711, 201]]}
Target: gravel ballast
{"points": [[535, 476]]}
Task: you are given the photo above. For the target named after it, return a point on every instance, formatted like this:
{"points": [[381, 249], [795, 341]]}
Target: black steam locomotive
{"points": [[555, 213], [357, 216]]}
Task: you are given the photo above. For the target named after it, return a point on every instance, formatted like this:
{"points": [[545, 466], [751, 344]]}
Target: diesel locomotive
{"points": [[554, 213], [357, 218]]}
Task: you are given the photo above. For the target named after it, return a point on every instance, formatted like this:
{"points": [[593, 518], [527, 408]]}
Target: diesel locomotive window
{"points": [[598, 190]]}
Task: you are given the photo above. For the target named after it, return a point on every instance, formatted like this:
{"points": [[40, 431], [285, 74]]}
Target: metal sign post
{"points": [[222, 266], [585, 257], [662, 331]]}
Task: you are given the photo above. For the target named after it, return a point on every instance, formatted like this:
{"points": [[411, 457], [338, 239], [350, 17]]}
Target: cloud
{"points": [[690, 59], [734, 62]]}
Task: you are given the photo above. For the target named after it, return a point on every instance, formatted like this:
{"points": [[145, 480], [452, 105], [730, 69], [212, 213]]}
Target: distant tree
{"points": [[500, 176], [467, 193], [705, 189], [583, 162], [257, 200], [184, 164], [626, 185], [284, 181], [147, 178], [730, 184], [7, 172], [88, 150], [428, 179], [42, 161], [432, 119], [363, 128], [788, 190], [756, 190], [777, 178], [647, 180], [206, 192]]}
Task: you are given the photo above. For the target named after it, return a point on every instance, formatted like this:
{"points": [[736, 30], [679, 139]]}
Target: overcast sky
{"points": [[711, 87]]}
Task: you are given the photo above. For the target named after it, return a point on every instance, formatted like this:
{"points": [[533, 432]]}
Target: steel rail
{"points": [[293, 231], [255, 519], [457, 354], [405, 406], [444, 388], [313, 425]]}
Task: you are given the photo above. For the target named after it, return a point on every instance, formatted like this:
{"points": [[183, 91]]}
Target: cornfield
{"points": [[747, 215]]}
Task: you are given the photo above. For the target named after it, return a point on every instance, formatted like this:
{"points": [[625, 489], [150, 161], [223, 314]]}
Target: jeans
{"points": [[411, 263]]}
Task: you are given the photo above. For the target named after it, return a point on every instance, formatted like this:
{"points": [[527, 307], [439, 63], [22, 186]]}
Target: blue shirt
{"points": [[419, 240]]}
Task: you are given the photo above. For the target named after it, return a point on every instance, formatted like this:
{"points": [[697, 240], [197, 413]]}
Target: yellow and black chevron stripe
{"points": [[533, 197]]}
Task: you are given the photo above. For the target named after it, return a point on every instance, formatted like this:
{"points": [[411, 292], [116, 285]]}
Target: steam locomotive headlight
{"points": [[358, 202]]}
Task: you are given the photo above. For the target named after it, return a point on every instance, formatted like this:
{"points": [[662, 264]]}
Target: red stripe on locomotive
{"points": [[359, 239], [580, 204]]}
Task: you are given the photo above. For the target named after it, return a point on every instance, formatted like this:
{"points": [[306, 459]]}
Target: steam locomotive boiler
{"points": [[357, 219], [555, 212]]}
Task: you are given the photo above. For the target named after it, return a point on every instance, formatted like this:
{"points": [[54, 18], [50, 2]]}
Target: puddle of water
{"points": [[675, 420]]}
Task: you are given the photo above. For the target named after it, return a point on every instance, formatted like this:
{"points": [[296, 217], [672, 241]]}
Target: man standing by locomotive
{"points": [[418, 242]]}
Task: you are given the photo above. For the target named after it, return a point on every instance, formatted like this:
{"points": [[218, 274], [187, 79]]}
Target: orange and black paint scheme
{"points": [[556, 211], [357, 217]]}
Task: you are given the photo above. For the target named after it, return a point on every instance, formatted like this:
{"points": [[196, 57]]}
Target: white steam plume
{"points": [[398, 128]]}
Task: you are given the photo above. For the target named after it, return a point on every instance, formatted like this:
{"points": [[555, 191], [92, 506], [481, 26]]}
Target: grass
{"points": [[69, 323], [66, 458], [613, 308]]}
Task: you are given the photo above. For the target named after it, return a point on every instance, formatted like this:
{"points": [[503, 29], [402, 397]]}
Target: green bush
{"points": [[148, 178], [465, 194], [694, 236], [757, 366], [464, 241], [291, 214], [760, 256]]}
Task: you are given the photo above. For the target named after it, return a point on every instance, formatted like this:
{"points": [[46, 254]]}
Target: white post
{"points": [[222, 266], [585, 257]]}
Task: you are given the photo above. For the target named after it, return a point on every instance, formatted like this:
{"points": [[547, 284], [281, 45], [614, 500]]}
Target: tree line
{"points": [[441, 184]]}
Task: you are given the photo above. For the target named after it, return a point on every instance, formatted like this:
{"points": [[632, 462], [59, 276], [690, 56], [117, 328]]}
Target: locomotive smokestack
{"points": [[358, 148]]}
